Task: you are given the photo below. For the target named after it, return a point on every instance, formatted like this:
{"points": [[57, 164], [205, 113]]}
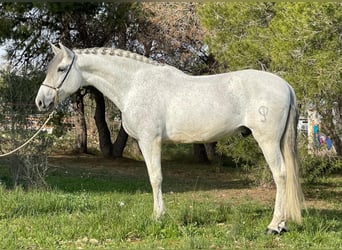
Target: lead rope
{"points": [[33, 136]]}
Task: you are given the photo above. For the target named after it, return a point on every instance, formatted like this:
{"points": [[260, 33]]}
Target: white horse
{"points": [[160, 103]]}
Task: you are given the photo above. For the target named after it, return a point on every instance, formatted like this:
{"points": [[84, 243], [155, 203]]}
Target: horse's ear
{"points": [[55, 50], [66, 52]]}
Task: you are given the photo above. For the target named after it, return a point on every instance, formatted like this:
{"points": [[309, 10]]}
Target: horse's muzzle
{"points": [[44, 104]]}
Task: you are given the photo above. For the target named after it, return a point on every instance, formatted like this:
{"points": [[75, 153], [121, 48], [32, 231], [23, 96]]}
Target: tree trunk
{"points": [[205, 153], [210, 149], [333, 126], [120, 142], [338, 127], [106, 146], [200, 154], [335, 139], [337, 144], [80, 124]]}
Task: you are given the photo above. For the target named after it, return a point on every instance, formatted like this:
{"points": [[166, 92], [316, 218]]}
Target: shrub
{"points": [[18, 118], [246, 154], [29, 165], [315, 167]]}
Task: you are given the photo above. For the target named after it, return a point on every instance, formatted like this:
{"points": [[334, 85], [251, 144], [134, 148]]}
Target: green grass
{"points": [[92, 210]]}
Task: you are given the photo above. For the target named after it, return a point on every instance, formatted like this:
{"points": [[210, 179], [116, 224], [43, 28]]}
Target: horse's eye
{"points": [[62, 69]]}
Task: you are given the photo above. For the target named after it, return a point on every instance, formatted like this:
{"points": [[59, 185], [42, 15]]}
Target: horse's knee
{"points": [[279, 176], [156, 180]]}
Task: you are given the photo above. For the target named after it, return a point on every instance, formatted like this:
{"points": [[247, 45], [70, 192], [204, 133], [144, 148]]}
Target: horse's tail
{"points": [[293, 194]]}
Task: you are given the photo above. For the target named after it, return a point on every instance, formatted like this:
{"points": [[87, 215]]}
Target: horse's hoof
{"points": [[271, 231], [275, 232]]}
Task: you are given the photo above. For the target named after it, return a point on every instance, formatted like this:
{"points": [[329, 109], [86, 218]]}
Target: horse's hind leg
{"points": [[274, 158], [151, 150]]}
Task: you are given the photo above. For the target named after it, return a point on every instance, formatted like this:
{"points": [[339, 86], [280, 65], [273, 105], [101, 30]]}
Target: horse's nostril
{"points": [[40, 104]]}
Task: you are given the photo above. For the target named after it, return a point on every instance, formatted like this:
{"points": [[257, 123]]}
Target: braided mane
{"points": [[117, 52]]}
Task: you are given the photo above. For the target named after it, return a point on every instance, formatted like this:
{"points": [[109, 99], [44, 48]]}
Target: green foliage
{"points": [[29, 165], [299, 41], [177, 152], [237, 33], [246, 153], [315, 169], [18, 91], [307, 47], [30, 26]]}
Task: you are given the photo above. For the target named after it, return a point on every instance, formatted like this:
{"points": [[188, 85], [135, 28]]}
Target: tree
{"points": [[299, 41], [106, 145], [80, 123], [236, 34], [171, 33], [313, 60], [29, 26], [167, 32]]}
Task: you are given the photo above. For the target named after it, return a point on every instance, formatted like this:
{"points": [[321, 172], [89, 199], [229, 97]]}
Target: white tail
{"points": [[294, 197]]}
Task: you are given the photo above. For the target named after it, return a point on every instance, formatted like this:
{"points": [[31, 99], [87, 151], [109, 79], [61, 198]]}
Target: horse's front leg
{"points": [[151, 150]]}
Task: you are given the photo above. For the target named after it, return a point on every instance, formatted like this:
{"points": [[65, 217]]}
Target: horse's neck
{"points": [[110, 75]]}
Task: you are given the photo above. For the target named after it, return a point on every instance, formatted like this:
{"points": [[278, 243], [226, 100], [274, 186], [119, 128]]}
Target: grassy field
{"points": [[99, 203]]}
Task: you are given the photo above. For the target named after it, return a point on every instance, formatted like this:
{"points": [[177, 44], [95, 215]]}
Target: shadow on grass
{"points": [[74, 183], [78, 183], [136, 179]]}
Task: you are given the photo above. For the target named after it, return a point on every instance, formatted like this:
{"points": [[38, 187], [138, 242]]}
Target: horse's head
{"points": [[62, 79]]}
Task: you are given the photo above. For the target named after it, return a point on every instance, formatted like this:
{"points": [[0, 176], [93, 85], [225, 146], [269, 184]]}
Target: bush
{"points": [[29, 165], [246, 154], [18, 123], [315, 167]]}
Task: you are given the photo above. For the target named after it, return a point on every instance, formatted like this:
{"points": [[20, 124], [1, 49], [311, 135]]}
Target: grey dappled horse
{"points": [[160, 103]]}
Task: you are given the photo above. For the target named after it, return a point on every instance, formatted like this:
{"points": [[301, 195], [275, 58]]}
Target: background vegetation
{"points": [[301, 42], [298, 41]]}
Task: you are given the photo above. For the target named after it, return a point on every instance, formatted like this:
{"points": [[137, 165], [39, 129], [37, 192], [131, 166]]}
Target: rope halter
{"points": [[56, 89]]}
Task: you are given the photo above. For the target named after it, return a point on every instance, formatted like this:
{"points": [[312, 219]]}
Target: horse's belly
{"points": [[194, 133], [183, 137]]}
